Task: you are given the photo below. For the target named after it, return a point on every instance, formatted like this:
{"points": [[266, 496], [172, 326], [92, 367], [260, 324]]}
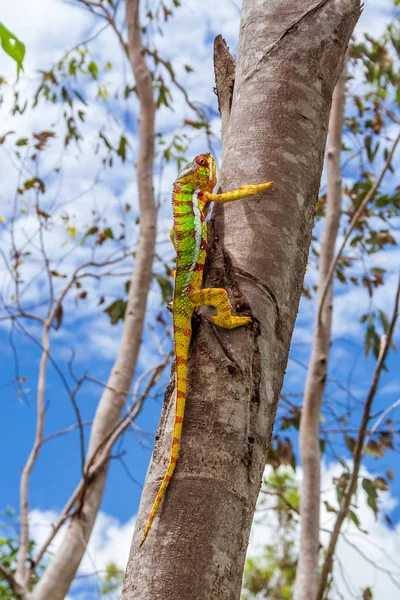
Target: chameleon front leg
{"points": [[243, 192], [218, 298]]}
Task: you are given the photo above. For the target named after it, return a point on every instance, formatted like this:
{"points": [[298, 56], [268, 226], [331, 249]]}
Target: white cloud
{"points": [[109, 543]]}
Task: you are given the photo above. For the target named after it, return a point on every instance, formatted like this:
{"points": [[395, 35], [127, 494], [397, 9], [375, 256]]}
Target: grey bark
{"points": [[307, 567], [58, 576], [290, 56]]}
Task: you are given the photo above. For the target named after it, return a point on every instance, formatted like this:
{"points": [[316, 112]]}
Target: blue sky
{"points": [[49, 29]]}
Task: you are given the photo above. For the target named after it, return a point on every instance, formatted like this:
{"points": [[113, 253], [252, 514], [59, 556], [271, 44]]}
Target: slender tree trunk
{"points": [[290, 56], [58, 576], [307, 569]]}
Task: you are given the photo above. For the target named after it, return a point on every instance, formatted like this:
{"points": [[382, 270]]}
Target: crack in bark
{"points": [[271, 295], [225, 349]]}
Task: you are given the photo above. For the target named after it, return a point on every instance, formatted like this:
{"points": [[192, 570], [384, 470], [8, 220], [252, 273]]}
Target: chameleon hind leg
{"points": [[218, 298]]}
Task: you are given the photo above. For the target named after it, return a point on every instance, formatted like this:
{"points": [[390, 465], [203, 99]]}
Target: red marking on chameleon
{"points": [[203, 245], [180, 395], [199, 267], [186, 332], [179, 419], [180, 360], [175, 441], [173, 460]]}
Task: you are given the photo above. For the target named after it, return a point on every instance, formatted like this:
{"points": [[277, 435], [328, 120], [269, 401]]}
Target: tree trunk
{"points": [[58, 576], [290, 56], [307, 568]]}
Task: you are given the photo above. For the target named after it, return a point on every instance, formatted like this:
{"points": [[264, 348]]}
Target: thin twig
{"points": [[26, 471], [62, 432], [379, 421]]}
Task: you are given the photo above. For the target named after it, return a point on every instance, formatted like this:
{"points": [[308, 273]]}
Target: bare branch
{"points": [[26, 471]]}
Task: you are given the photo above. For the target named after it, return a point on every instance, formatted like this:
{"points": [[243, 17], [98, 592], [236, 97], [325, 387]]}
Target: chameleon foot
{"points": [[230, 322]]}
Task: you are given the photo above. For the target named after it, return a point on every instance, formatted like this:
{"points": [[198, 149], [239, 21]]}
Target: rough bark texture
{"points": [[290, 56], [307, 568], [58, 576]]}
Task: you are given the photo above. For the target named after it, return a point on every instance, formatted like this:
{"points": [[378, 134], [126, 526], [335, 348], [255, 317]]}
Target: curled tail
{"points": [[182, 335]]}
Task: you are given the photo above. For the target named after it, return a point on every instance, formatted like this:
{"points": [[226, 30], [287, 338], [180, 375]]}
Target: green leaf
{"points": [[398, 96], [329, 507], [109, 233], [384, 320], [72, 231], [36, 183], [371, 493], [93, 69], [367, 594], [350, 442], [116, 311], [367, 144], [165, 286], [123, 142], [382, 201], [3, 137], [22, 142], [91, 231], [355, 240], [12, 46]]}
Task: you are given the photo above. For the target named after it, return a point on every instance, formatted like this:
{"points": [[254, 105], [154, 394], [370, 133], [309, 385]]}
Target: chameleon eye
{"points": [[202, 162]]}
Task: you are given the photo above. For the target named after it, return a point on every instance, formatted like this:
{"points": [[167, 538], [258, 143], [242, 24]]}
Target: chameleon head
{"points": [[201, 173]]}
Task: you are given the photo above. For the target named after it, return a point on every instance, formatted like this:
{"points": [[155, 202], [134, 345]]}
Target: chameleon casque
{"points": [[191, 198]]}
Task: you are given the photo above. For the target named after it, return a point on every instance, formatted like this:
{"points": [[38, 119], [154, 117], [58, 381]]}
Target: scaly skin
{"points": [[191, 197]]}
